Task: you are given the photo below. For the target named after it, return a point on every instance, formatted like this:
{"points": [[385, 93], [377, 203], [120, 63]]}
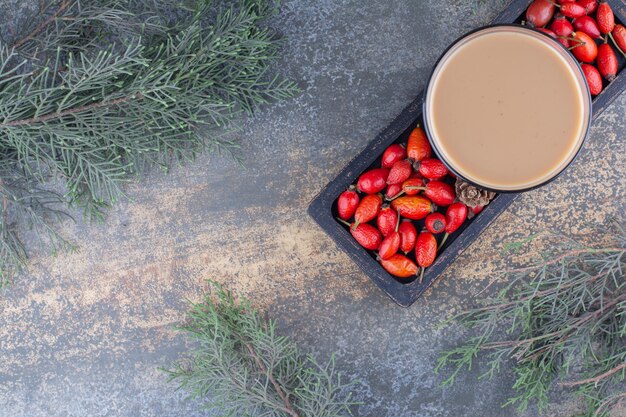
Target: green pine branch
{"points": [[241, 366], [560, 320], [97, 90]]}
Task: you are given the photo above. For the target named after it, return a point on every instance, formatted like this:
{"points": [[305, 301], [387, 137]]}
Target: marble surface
{"points": [[83, 334]]}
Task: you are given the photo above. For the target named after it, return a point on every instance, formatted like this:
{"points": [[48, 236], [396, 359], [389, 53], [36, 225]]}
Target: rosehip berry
{"points": [[368, 208], [588, 25], [347, 203], [373, 181], [387, 220], [389, 245], [418, 147], [408, 235], [583, 47], [393, 190], [393, 154], [414, 207], [365, 234], [400, 172], [605, 18], [539, 13], [440, 193], [399, 266], [619, 38], [435, 223], [433, 169], [593, 77], [607, 62], [573, 10], [589, 5]]}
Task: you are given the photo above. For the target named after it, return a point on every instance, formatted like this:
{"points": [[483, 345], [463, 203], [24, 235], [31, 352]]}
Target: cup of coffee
{"points": [[507, 108]]}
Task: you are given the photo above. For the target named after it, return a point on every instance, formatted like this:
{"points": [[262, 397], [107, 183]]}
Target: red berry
{"points": [[433, 169], [373, 181], [588, 25], [414, 207], [392, 191], [368, 208], [418, 147], [607, 62], [399, 266], [389, 245], [347, 203], [408, 235], [539, 13], [400, 172], [440, 193], [593, 77], [619, 38], [584, 48], [412, 186], [561, 26], [366, 235], [393, 154], [473, 211], [455, 217], [435, 223], [387, 220], [589, 5], [425, 249], [605, 18], [573, 10]]}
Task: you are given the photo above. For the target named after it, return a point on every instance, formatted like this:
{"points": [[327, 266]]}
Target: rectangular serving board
{"points": [[323, 207]]}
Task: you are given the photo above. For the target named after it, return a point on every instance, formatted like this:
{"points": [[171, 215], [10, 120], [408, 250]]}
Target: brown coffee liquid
{"points": [[507, 110]]}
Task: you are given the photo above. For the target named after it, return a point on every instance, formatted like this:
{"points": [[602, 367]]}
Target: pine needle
{"points": [[241, 366], [98, 90], [561, 319]]}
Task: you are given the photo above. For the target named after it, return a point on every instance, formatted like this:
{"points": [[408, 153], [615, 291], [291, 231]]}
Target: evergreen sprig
{"points": [[242, 367], [561, 320], [99, 89]]}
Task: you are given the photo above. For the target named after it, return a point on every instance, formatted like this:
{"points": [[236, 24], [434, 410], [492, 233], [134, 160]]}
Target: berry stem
{"points": [[571, 38], [616, 45], [443, 241], [343, 221], [395, 196], [398, 221]]}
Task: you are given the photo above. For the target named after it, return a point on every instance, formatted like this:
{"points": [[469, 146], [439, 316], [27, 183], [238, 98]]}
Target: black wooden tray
{"points": [[323, 207]]}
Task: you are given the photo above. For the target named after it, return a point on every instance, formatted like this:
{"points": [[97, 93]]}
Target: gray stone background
{"points": [[83, 334]]}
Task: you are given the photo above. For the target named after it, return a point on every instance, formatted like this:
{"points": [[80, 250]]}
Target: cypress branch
{"points": [[61, 8], [68, 112], [559, 319], [101, 89], [242, 367]]}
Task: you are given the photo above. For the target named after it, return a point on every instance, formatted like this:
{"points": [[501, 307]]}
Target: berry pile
{"points": [[584, 27], [410, 191], [405, 209]]}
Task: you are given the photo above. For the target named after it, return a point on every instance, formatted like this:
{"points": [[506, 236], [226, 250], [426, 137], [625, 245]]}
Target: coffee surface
{"points": [[507, 110]]}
